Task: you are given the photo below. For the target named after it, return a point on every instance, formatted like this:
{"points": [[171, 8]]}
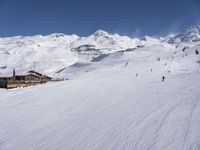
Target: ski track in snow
{"points": [[106, 120], [113, 101]]}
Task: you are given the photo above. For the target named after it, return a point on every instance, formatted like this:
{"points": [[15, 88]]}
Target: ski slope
{"points": [[118, 102]]}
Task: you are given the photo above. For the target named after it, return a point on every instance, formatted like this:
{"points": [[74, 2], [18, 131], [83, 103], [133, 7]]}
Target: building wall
{"points": [[22, 81]]}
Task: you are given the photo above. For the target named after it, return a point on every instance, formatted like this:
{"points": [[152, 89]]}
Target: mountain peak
{"points": [[57, 35], [100, 33], [194, 27], [191, 34], [192, 30]]}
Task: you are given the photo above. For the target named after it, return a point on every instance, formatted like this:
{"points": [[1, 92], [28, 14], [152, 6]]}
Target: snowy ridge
{"points": [[191, 34], [56, 51], [52, 53]]}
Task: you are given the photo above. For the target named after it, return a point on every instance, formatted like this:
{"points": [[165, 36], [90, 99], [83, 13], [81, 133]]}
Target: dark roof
{"points": [[34, 72], [38, 74], [30, 73]]}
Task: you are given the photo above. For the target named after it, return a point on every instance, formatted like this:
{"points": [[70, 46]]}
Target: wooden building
{"points": [[28, 79]]}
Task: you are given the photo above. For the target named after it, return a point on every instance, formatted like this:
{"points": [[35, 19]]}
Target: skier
{"points": [[125, 65], [163, 78], [197, 52]]}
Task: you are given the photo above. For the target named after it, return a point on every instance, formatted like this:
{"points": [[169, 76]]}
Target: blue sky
{"points": [[82, 17]]}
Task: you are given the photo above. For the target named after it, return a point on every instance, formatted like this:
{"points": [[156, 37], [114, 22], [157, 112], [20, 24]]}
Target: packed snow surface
{"points": [[113, 98]]}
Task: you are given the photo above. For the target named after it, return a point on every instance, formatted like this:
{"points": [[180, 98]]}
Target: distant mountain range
{"points": [[52, 53]]}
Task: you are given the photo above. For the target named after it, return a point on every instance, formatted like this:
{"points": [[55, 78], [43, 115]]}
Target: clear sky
{"points": [[82, 17]]}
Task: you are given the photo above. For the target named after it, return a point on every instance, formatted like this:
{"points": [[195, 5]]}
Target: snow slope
{"points": [[105, 106], [52, 53]]}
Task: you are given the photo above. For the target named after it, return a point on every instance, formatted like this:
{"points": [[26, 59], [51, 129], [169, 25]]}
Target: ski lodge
{"points": [[28, 79]]}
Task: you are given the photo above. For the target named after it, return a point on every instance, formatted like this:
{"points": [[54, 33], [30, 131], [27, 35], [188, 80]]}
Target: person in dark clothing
{"points": [[197, 52], [163, 78]]}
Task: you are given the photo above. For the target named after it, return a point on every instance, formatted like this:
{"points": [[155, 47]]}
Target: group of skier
{"points": [[159, 59]]}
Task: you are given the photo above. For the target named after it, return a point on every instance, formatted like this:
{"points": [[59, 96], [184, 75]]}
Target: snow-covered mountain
{"points": [[114, 98], [54, 52], [191, 34]]}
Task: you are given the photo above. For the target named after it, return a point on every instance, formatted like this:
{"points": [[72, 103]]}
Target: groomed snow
{"points": [[105, 105]]}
